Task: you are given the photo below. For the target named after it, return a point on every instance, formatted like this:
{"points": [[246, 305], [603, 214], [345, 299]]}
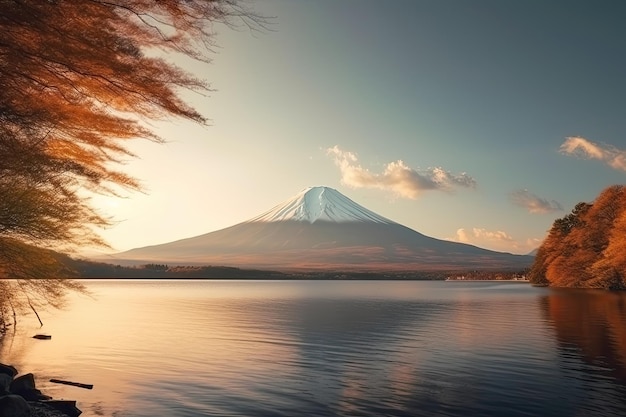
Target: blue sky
{"points": [[476, 121]]}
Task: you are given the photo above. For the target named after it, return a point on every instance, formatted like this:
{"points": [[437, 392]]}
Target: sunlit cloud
{"points": [[479, 234], [533, 203], [583, 148], [497, 240], [533, 243], [397, 177]]}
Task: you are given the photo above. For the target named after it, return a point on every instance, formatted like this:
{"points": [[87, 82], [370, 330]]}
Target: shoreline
{"points": [[522, 281], [19, 397]]}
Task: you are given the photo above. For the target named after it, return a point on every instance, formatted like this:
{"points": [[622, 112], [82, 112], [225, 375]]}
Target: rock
{"points": [[20, 398], [38, 409], [8, 369], [22, 383], [33, 395], [5, 383], [68, 407], [14, 406]]}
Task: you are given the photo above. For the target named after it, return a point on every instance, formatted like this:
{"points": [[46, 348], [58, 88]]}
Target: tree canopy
{"points": [[79, 79], [586, 248]]}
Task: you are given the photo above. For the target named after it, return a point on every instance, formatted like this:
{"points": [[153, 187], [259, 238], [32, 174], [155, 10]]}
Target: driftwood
{"points": [[74, 384]]}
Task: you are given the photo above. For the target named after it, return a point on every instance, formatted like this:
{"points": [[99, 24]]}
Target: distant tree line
{"points": [[587, 247], [156, 267], [88, 269], [491, 275]]}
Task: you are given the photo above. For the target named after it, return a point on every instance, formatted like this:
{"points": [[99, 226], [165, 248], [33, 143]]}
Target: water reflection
{"points": [[591, 323], [333, 348], [590, 330], [360, 355]]}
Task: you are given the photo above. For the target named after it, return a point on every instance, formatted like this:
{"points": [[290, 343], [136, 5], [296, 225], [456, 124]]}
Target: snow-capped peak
{"points": [[320, 203]]}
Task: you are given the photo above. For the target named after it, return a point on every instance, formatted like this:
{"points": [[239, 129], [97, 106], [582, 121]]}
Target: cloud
{"points": [[533, 242], [481, 235], [397, 176], [583, 148], [533, 203], [497, 240]]}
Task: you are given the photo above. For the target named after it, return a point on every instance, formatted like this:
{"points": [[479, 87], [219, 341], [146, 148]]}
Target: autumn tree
{"points": [[583, 248], [609, 270], [558, 245], [79, 79]]}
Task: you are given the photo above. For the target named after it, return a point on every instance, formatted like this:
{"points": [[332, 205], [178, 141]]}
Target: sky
{"points": [[474, 121]]}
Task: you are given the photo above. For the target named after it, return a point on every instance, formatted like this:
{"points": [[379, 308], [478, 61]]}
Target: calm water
{"points": [[320, 348]]}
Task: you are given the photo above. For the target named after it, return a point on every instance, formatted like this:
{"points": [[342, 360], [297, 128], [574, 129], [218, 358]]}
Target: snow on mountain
{"points": [[320, 203]]}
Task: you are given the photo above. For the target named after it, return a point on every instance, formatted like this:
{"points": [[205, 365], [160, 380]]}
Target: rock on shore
{"points": [[19, 397]]}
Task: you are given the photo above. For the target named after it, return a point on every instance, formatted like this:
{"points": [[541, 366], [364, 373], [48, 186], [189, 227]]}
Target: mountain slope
{"points": [[320, 228]]}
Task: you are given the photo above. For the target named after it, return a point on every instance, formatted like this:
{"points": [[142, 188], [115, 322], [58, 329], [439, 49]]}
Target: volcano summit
{"points": [[321, 229], [320, 204]]}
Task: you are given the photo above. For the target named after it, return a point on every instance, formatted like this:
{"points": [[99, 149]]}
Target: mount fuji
{"points": [[322, 229]]}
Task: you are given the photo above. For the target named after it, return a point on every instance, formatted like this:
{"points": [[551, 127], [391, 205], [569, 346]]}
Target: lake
{"points": [[331, 348]]}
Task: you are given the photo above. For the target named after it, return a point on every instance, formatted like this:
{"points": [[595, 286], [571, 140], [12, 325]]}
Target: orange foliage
{"points": [[76, 84], [587, 248]]}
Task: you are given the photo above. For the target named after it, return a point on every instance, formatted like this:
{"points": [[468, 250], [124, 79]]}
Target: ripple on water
{"points": [[336, 348]]}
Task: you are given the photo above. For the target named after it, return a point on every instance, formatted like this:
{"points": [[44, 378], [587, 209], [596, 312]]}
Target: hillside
{"points": [[586, 248]]}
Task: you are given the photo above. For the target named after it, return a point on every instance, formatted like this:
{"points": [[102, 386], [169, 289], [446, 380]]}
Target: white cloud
{"points": [[397, 177], [581, 147], [497, 240], [533, 242], [533, 203], [479, 234]]}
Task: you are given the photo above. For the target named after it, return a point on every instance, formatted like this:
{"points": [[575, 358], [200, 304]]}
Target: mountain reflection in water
{"points": [[332, 348]]}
